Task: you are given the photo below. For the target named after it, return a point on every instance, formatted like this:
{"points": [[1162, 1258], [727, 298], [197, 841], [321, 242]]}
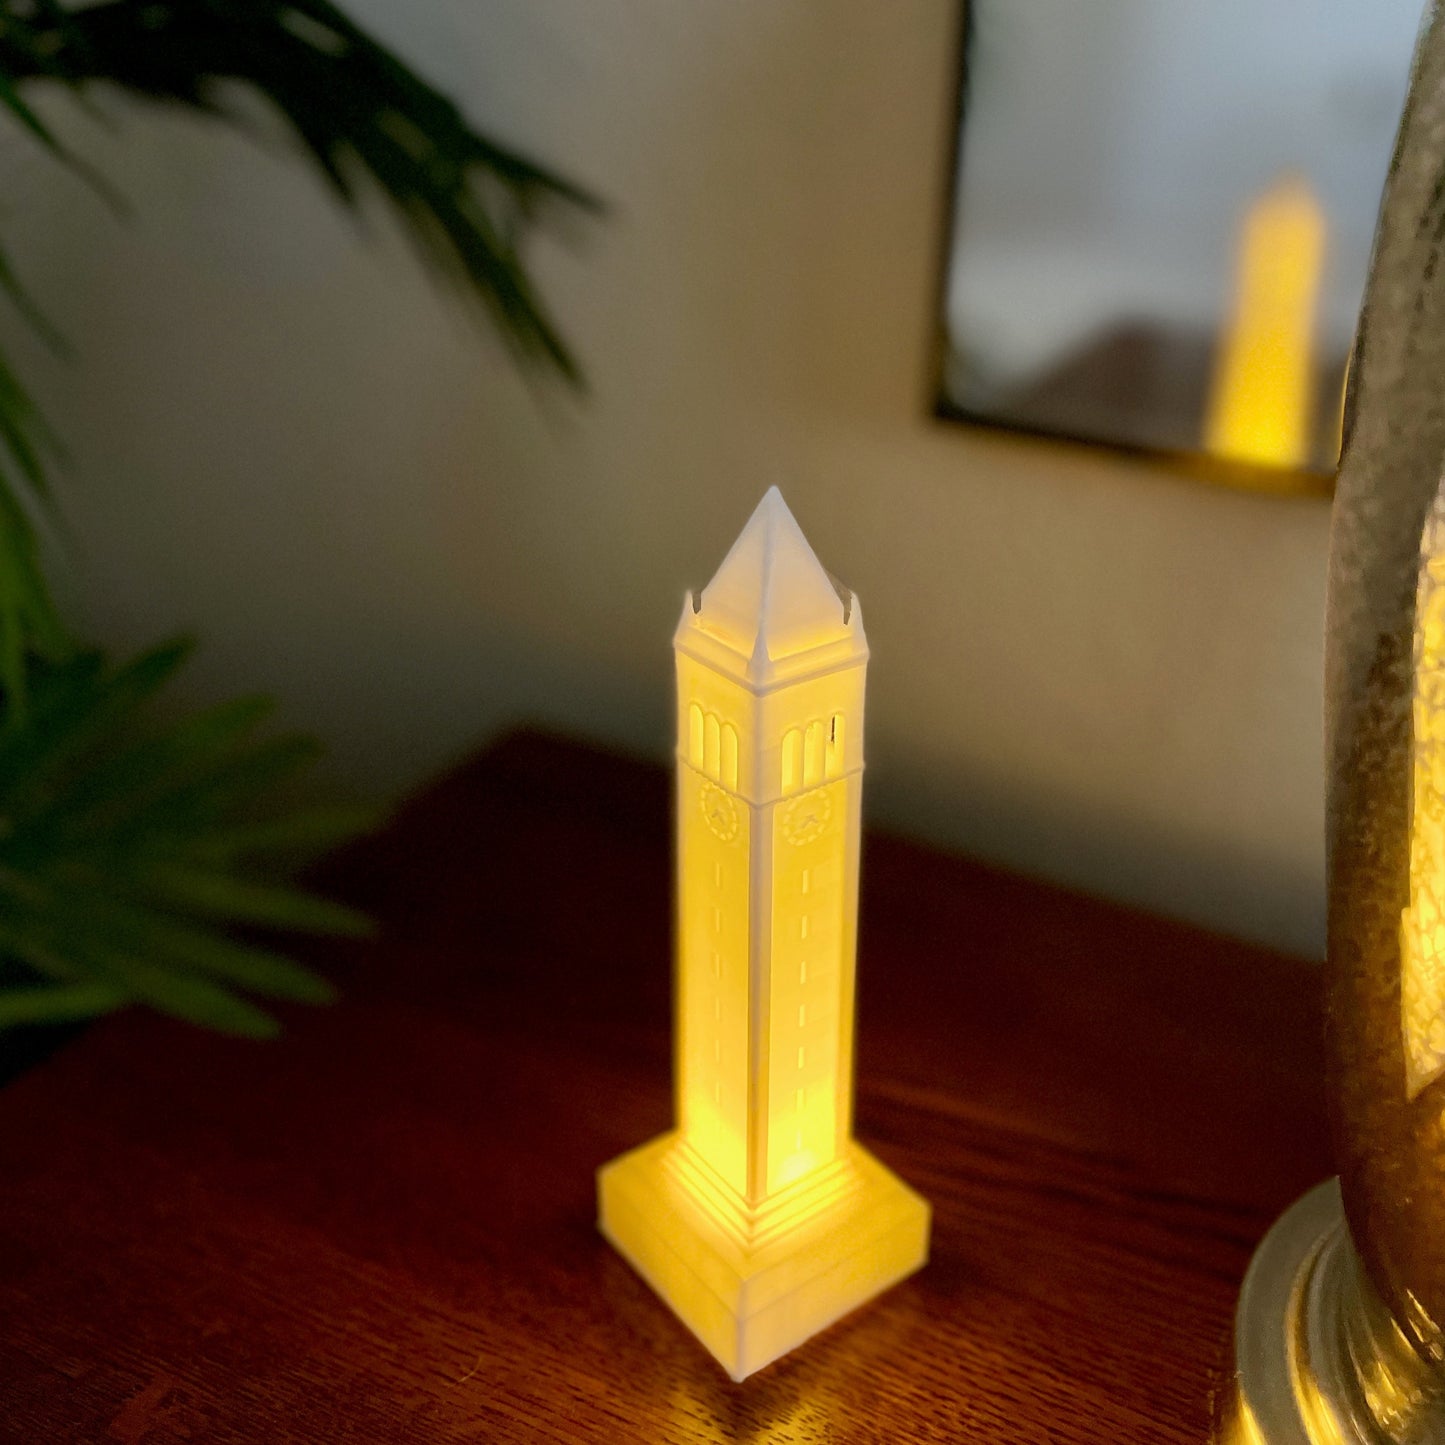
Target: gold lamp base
{"points": [[1318, 1358]]}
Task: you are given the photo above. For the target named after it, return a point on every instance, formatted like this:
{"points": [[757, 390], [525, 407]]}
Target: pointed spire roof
{"points": [[772, 599]]}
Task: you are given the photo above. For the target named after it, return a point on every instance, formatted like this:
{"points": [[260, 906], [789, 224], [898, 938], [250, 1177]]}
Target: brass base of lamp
{"points": [[1318, 1358]]}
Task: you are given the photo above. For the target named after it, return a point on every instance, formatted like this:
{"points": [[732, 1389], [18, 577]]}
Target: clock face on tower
{"points": [[807, 816], [719, 811]]}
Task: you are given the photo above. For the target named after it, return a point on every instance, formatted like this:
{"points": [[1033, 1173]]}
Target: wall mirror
{"points": [[1161, 220]]}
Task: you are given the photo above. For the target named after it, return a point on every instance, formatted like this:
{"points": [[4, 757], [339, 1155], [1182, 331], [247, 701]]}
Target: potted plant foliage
{"points": [[132, 848]]}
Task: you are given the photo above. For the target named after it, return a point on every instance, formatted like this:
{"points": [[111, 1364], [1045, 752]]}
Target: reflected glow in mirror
{"points": [[1162, 218]]}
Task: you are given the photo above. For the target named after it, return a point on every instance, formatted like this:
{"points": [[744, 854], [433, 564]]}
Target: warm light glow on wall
{"points": [[1422, 929], [1261, 409], [759, 1220]]}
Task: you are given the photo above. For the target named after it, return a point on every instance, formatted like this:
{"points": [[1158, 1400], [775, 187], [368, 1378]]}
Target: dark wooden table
{"points": [[381, 1228]]}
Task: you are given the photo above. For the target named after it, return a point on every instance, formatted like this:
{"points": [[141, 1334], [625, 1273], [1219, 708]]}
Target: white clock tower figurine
{"points": [[759, 1220]]}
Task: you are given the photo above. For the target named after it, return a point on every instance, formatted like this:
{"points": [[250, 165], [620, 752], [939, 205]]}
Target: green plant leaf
{"points": [[119, 783], [185, 996], [58, 1005], [97, 922], [28, 942], [305, 833], [29, 622], [218, 895], [126, 846], [82, 714]]}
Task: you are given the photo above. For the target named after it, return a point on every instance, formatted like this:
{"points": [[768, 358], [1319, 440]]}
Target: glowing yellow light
{"points": [[1240, 1427], [1261, 409], [759, 1220], [1422, 926]]}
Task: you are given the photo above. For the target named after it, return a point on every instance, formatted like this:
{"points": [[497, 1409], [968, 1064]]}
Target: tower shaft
{"points": [[767, 910]]}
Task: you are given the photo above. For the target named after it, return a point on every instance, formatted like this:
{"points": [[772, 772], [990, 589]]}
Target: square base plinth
{"points": [[752, 1288]]}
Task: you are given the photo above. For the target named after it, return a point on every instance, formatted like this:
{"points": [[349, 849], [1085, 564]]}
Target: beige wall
{"points": [[281, 437]]}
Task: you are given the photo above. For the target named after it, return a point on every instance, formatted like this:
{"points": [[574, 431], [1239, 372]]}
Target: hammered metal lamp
{"points": [[1340, 1332], [759, 1220]]}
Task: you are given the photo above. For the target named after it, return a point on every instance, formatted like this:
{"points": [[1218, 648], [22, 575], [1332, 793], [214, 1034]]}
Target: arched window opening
{"points": [[834, 751], [792, 760], [694, 735], [813, 755], [711, 746], [729, 756]]}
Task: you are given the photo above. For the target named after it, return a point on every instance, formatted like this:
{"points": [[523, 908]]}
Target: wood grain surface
{"points": [[382, 1227]]}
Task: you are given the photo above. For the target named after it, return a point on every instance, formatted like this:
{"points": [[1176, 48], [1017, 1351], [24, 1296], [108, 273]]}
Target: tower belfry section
{"points": [[759, 1219]]}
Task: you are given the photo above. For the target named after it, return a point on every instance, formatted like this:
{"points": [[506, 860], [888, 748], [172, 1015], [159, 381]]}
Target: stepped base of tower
{"points": [[754, 1284]]}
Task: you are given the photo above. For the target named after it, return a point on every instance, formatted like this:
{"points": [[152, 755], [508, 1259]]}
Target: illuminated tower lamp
{"points": [[1340, 1330], [759, 1220]]}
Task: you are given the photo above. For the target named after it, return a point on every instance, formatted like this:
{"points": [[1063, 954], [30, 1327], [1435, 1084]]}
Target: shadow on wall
{"points": [[1158, 869], [511, 681]]}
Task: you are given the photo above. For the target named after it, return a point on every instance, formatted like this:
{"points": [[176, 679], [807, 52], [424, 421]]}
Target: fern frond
{"points": [[127, 846]]}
